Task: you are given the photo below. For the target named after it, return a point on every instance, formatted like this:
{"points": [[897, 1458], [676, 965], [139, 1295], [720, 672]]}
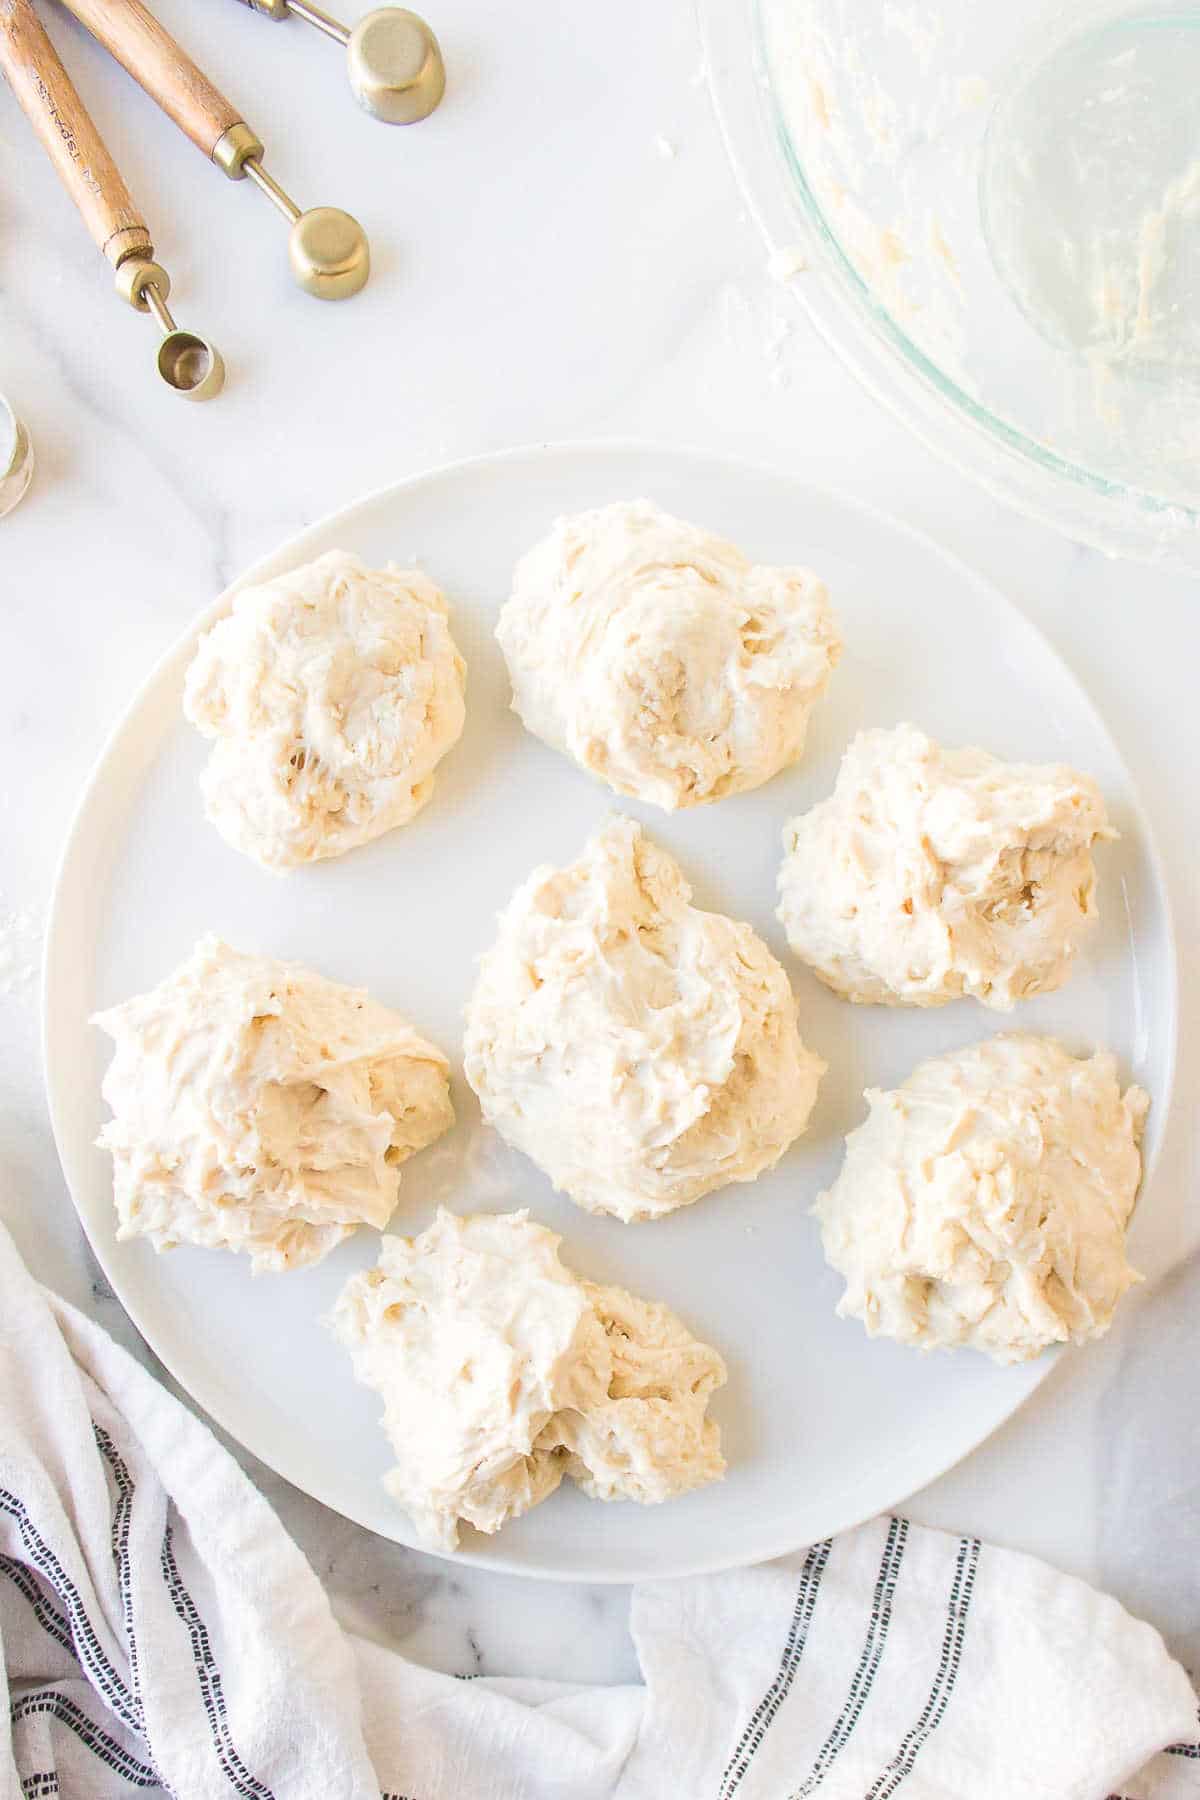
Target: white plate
{"points": [[821, 1427]]}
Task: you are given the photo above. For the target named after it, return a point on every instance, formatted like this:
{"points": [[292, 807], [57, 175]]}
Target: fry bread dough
{"points": [[259, 1107], [640, 1051], [331, 693], [984, 1201], [931, 873], [660, 659], [501, 1371]]}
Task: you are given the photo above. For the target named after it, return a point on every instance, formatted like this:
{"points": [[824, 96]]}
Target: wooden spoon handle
{"points": [[48, 98], [154, 59]]}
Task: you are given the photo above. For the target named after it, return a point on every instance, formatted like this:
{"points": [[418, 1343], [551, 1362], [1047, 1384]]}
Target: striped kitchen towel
{"points": [[162, 1635]]}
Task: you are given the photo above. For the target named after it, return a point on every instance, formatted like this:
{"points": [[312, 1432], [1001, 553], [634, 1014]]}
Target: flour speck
{"points": [[20, 949]]}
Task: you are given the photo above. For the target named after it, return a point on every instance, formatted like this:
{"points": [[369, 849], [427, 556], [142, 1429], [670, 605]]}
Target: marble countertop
{"points": [[561, 252]]}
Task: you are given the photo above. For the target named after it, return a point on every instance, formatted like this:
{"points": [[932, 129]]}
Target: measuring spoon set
{"points": [[396, 73]]}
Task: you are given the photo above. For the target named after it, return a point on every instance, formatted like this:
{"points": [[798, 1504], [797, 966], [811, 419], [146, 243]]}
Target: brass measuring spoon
{"points": [[392, 57], [187, 363], [327, 249]]}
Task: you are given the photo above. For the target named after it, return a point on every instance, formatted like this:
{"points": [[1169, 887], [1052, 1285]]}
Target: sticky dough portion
{"points": [[259, 1107], [640, 1051], [331, 694], [984, 1201], [929, 874], [661, 659], [501, 1372]]}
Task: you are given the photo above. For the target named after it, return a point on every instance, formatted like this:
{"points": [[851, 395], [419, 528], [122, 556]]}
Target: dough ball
{"points": [[331, 695], [259, 1107], [647, 1436], [500, 1372], [931, 873], [640, 1051], [984, 1201], [660, 659]]}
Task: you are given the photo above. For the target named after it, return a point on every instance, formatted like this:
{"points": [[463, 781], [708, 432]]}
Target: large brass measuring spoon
{"points": [[187, 363], [392, 57], [327, 249]]}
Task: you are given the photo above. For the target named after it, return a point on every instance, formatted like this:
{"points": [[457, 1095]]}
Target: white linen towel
{"points": [[162, 1634]]}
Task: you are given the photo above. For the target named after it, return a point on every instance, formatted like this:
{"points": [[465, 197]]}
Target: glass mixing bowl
{"points": [[991, 209]]}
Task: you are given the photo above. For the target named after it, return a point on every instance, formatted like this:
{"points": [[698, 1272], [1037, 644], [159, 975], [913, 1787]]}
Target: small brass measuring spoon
{"points": [[392, 57], [187, 363], [190, 365], [327, 249]]}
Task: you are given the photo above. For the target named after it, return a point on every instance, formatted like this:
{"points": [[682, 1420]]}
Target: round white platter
{"points": [[821, 1427]]}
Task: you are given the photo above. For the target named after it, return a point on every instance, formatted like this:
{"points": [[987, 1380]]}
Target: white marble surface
{"points": [[545, 267]]}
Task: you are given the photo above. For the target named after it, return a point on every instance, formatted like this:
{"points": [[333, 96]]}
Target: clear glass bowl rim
{"points": [[1116, 517]]}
